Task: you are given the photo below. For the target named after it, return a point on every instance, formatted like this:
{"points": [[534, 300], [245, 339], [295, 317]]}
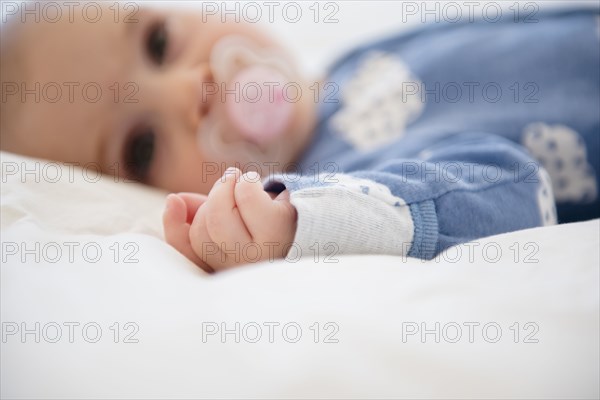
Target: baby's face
{"points": [[133, 98]]}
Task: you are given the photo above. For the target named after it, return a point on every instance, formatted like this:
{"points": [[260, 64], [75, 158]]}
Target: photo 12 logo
{"points": [[269, 332], [89, 252], [469, 11], [469, 332], [253, 12], [55, 11], [69, 332]]}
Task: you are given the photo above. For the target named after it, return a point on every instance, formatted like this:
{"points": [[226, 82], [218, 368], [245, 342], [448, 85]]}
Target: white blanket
{"points": [[528, 328]]}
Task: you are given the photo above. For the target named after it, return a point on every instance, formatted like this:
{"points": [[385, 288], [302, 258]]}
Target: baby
{"points": [[410, 145]]}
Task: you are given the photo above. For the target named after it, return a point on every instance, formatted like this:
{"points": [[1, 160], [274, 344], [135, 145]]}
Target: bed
{"points": [[103, 308]]}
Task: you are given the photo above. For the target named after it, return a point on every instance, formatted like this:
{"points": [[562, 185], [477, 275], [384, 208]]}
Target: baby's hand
{"points": [[237, 223]]}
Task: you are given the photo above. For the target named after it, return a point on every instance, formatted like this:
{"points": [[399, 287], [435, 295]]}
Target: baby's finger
{"points": [[177, 229], [255, 205], [193, 201], [203, 245], [223, 221]]}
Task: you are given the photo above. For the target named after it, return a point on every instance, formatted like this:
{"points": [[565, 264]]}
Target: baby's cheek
{"points": [[192, 177]]}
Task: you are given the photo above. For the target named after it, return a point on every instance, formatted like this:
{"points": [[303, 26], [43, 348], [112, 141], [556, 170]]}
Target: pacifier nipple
{"points": [[253, 80], [261, 112]]}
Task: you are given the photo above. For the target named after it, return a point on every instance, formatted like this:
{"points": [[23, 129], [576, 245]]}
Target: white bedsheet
{"points": [[371, 301]]}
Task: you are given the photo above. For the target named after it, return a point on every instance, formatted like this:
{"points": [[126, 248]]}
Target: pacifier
{"points": [[264, 114], [250, 103]]}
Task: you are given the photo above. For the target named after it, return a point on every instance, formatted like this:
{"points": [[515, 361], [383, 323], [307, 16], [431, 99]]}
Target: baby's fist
{"points": [[237, 223]]}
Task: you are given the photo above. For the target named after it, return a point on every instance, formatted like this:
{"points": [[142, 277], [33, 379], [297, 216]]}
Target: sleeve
{"points": [[462, 188]]}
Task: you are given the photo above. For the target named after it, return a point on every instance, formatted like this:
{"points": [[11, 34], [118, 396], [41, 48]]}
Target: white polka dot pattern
{"points": [[378, 102], [365, 186], [546, 200], [563, 154]]}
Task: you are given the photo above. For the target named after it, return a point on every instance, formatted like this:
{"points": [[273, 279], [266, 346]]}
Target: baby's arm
{"points": [[237, 223], [462, 188]]}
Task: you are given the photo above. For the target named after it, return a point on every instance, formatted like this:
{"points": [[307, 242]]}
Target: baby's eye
{"points": [[139, 152], [156, 43]]}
